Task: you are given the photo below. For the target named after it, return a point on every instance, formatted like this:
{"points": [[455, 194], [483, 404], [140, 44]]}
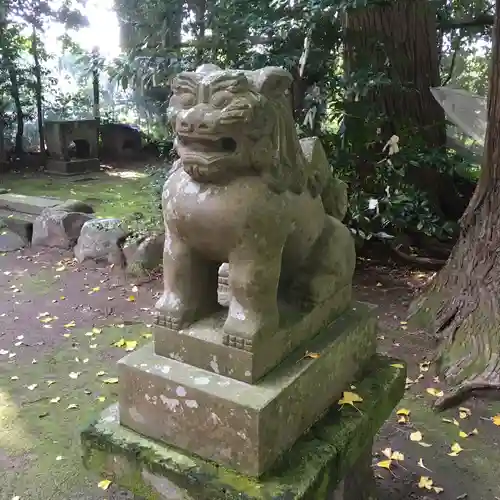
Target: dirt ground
{"points": [[63, 326]]}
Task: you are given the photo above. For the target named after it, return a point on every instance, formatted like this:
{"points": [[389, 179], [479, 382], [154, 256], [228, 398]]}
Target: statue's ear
{"points": [[273, 81]]}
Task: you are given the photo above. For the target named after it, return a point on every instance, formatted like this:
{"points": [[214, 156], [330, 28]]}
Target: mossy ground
{"points": [[39, 431], [30, 444], [117, 193]]}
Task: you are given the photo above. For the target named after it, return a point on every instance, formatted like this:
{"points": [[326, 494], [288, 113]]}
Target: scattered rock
{"points": [[144, 256], [58, 228], [101, 239], [10, 241], [75, 206]]}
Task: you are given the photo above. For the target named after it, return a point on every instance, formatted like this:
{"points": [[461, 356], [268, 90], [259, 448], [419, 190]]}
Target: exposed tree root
{"points": [[422, 262], [455, 396]]}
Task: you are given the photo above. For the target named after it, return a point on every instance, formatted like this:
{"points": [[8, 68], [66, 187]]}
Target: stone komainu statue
{"points": [[246, 191]]}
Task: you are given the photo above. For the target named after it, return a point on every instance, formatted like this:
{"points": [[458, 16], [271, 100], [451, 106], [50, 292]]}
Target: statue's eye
{"points": [[221, 99]]}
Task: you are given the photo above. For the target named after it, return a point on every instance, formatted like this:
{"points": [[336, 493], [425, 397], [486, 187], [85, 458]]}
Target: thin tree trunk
{"points": [[14, 92], [38, 89], [462, 303], [3, 155]]}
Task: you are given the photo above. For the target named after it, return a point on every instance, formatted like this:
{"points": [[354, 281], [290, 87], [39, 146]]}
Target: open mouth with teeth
{"points": [[218, 145]]}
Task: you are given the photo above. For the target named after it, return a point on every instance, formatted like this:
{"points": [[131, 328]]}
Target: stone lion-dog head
{"points": [[230, 123]]}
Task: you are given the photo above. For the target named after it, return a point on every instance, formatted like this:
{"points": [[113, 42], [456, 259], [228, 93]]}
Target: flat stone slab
{"points": [[324, 464], [202, 344], [26, 204], [242, 426]]}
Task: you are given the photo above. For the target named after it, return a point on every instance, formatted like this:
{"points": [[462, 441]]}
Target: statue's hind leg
{"points": [[327, 274], [190, 285]]}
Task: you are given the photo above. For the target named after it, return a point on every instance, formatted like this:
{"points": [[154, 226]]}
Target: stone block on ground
{"points": [[10, 241], [19, 223], [58, 228], [145, 256], [243, 426], [331, 462], [100, 239]]}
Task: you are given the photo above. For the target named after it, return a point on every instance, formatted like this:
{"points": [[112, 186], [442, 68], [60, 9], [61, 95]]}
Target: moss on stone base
{"points": [[312, 469]]}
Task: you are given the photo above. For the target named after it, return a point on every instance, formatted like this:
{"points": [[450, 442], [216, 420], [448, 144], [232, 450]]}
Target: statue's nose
{"points": [[194, 119]]}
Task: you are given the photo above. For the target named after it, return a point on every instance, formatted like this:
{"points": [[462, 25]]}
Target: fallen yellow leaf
{"points": [[113, 380], [384, 464], [74, 375], [403, 411], [55, 400], [496, 420], [71, 324], [425, 483], [72, 407], [420, 463], [311, 355], [104, 484], [435, 392], [425, 445], [119, 343], [416, 436], [464, 412], [349, 398], [130, 345], [455, 450], [96, 331], [451, 421], [131, 298], [398, 365]]}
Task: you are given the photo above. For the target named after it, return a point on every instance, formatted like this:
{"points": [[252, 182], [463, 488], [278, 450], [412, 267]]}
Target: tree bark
{"points": [[462, 303], [399, 40], [38, 89]]}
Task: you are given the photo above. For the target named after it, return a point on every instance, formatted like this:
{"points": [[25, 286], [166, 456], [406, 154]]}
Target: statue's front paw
{"points": [[169, 322], [172, 313], [240, 330]]}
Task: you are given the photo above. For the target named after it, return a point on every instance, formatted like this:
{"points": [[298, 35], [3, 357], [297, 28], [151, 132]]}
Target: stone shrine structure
{"points": [[72, 146], [120, 140], [241, 402]]}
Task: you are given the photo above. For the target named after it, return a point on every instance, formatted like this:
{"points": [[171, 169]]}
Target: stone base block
{"points": [[245, 427], [73, 167], [202, 344], [21, 224], [331, 462]]}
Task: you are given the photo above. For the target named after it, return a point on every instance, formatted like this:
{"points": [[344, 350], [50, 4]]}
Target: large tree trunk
{"points": [[399, 40], [462, 303]]}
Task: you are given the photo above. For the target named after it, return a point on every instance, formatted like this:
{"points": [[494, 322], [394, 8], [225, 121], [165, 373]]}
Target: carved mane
{"points": [[289, 169]]}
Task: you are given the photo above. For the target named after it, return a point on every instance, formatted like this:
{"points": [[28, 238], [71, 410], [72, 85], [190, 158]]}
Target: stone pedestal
{"points": [[332, 461], [73, 167], [245, 427]]}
